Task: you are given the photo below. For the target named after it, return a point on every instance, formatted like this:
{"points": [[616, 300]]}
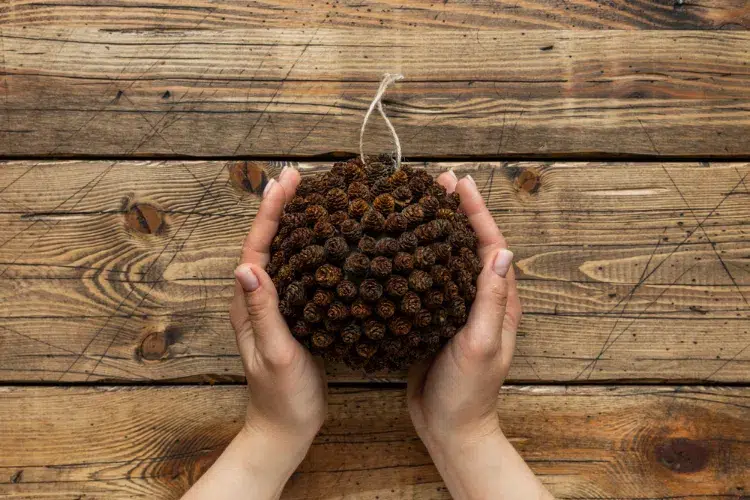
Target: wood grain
{"points": [[299, 92], [409, 15], [583, 442], [122, 270]]}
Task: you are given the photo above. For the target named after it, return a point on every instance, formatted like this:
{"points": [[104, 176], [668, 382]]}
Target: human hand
{"points": [[287, 403], [287, 386], [455, 395], [453, 398]]}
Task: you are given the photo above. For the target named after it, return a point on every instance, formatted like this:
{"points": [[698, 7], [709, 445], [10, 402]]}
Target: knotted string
{"points": [[388, 79]]}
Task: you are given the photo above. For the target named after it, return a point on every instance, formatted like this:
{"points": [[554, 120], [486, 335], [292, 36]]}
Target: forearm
{"points": [[255, 466], [485, 468]]}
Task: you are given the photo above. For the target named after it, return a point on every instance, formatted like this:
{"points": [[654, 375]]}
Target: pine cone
{"points": [[374, 266]]}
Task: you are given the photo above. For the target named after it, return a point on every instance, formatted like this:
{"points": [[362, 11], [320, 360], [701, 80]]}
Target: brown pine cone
{"points": [[384, 203], [385, 308], [395, 223], [407, 242], [346, 290], [336, 248], [411, 303], [370, 290], [351, 230], [422, 318], [324, 230], [373, 221], [381, 267], [351, 333], [424, 258], [336, 199], [399, 326], [314, 213], [403, 262], [295, 294], [360, 309], [338, 311], [322, 297], [358, 207], [420, 281], [387, 246], [328, 275], [322, 339], [359, 190], [357, 264], [367, 245], [337, 218], [374, 329], [396, 286], [373, 265]]}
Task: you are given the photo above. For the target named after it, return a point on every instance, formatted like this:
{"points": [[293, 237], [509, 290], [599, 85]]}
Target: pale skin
{"points": [[452, 398]]}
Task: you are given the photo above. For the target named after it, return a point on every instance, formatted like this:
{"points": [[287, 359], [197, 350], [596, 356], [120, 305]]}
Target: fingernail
{"points": [[270, 184], [471, 179], [453, 174], [285, 171], [502, 263], [247, 278]]}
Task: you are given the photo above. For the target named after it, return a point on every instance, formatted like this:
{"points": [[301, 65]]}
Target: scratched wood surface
{"points": [[583, 442], [405, 15], [206, 90], [122, 270]]}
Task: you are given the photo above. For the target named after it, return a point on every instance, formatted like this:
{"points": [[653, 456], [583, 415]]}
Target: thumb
{"points": [[269, 327], [485, 323]]}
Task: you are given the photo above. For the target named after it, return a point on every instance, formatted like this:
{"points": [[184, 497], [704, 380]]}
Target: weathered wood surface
{"points": [[122, 270], [297, 92], [406, 15], [583, 442]]}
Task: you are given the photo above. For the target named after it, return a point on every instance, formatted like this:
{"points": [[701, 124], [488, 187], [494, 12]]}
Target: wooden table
{"points": [[610, 138]]}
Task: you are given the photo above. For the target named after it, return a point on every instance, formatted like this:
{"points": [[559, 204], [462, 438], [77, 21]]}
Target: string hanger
{"points": [[388, 79]]}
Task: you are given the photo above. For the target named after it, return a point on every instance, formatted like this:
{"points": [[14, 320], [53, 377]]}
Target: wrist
{"points": [[269, 457], [453, 438]]}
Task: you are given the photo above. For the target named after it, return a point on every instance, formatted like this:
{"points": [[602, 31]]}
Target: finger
{"points": [[512, 319], [483, 331], [237, 311], [448, 180], [257, 245], [289, 179], [472, 204], [270, 331]]}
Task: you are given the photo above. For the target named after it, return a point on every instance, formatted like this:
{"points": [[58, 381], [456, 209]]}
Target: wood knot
{"points": [[682, 455], [528, 180], [248, 176], [144, 218], [155, 346]]}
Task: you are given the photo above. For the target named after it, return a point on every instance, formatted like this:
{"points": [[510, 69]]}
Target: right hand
{"points": [[455, 395]]}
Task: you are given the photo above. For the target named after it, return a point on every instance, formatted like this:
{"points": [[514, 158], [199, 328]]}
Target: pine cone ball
{"points": [[373, 265]]}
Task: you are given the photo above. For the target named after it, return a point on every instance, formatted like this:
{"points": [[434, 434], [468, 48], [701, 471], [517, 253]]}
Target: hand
{"points": [[456, 394], [287, 403], [453, 399], [287, 386]]}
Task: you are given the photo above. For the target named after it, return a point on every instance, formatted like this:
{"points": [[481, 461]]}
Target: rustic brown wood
{"points": [[409, 15], [153, 442], [122, 270], [291, 92]]}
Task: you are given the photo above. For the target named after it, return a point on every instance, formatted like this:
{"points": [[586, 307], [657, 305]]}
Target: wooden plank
{"points": [[409, 15], [627, 271], [583, 442], [303, 91]]}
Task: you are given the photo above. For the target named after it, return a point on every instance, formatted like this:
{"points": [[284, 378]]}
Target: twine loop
{"points": [[388, 79]]}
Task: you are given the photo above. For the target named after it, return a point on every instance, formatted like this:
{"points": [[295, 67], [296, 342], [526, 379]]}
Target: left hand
{"points": [[287, 386]]}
